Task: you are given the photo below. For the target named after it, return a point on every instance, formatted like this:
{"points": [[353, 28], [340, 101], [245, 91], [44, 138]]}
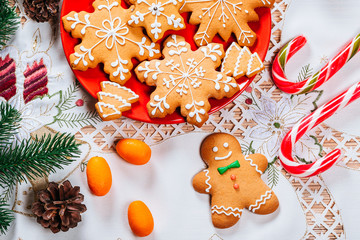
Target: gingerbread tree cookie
{"points": [[239, 62], [233, 180], [157, 16], [186, 79], [106, 38], [113, 100], [224, 17]]}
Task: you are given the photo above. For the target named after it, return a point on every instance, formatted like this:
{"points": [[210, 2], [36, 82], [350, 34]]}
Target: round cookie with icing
{"points": [[233, 180]]}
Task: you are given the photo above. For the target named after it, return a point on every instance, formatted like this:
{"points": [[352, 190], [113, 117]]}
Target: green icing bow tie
{"points": [[222, 170]]}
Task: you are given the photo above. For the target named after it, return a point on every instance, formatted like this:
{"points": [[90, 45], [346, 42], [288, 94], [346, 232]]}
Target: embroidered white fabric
{"points": [[319, 207]]}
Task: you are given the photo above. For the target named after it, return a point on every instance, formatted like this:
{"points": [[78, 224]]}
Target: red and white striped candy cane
{"points": [[316, 80], [306, 124]]}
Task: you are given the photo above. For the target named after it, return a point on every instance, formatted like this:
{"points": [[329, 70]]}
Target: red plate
{"points": [[91, 78]]}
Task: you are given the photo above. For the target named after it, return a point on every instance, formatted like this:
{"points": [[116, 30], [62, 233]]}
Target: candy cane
{"points": [[316, 80], [308, 123]]}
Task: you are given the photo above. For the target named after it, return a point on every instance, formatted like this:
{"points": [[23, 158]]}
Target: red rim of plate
{"points": [[91, 78]]}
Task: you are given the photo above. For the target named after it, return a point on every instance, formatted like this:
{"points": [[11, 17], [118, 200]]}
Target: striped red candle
{"points": [[36, 81], [7, 77]]}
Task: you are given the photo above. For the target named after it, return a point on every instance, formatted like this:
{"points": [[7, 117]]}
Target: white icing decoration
{"points": [[196, 112], [157, 104], [182, 76], [108, 7], [158, 10], [212, 51], [239, 61], [229, 12], [261, 201], [102, 105], [175, 43], [215, 149], [265, 1], [236, 212], [226, 145], [254, 56], [118, 98], [207, 181], [247, 158], [113, 33], [224, 157], [134, 95], [227, 53], [178, 52], [239, 69]]}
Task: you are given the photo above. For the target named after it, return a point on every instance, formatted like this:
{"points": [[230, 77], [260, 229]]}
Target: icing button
{"points": [[233, 177], [236, 186]]}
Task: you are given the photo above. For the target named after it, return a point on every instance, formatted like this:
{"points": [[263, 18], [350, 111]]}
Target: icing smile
{"points": [[225, 157]]}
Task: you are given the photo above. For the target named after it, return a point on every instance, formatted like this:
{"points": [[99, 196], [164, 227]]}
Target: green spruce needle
{"points": [[9, 21], [6, 217], [34, 158], [29, 159], [9, 123]]}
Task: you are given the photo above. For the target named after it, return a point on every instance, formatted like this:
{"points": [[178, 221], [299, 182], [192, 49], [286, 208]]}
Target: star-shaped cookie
{"points": [[186, 79], [107, 38], [224, 17]]}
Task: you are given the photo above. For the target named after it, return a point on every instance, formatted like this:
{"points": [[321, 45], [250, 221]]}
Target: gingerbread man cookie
{"points": [[233, 180]]}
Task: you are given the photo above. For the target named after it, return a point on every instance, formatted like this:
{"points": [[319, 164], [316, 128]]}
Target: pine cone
{"points": [[41, 10], [59, 206]]}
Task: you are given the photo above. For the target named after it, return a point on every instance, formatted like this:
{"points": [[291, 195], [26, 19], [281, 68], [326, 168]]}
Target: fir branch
{"points": [[9, 21], [68, 97], [33, 158], [9, 123], [6, 193], [6, 217], [305, 73], [73, 120], [273, 175]]}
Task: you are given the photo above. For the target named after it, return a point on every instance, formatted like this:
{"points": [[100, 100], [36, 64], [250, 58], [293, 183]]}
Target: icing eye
{"points": [[215, 149], [226, 145]]}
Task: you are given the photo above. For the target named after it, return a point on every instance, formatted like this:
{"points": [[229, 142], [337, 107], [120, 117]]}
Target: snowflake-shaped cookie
{"points": [[186, 79], [106, 38], [157, 16], [224, 17]]}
